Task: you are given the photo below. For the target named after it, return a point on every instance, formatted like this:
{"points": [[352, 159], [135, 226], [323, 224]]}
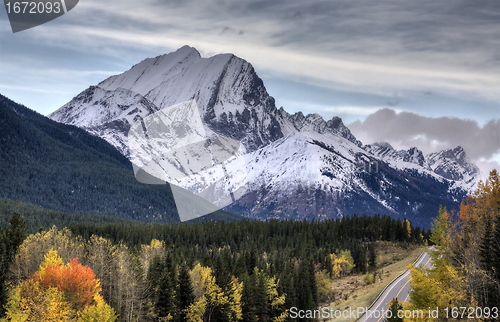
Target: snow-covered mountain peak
{"points": [[146, 75], [96, 106], [386, 152], [315, 123], [415, 156], [297, 166], [453, 164]]}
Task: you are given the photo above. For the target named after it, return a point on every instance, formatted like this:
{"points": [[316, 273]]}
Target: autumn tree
{"points": [[443, 285], [58, 292], [342, 263], [209, 296], [31, 252], [475, 247]]}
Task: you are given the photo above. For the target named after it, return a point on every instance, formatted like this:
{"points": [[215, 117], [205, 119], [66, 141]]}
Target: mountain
{"points": [[62, 167], [451, 164], [296, 166]]}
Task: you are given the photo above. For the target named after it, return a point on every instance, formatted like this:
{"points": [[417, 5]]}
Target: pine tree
{"points": [[10, 242], [15, 235], [186, 292], [303, 287], [155, 271], [251, 260], [261, 299], [166, 304], [312, 284], [240, 268], [372, 257], [248, 299], [485, 250], [223, 280], [394, 307], [3, 273]]}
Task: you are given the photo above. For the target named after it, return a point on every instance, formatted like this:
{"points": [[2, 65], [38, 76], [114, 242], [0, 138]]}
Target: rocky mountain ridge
{"points": [[297, 166]]}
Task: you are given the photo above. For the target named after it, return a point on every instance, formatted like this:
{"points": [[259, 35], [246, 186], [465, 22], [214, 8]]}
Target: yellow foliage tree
{"points": [[53, 294], [342, 264], [275, 299], [443, 285], [477, 216], [208, 295]]}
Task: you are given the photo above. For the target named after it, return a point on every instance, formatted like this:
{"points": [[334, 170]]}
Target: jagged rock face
{"points": [[453, 164], [107, 114], [96, 106], [385, 151], [231, 97], [297, 166], [414, 156]]}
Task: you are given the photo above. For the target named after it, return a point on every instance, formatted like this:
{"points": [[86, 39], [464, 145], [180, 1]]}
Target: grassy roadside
{"points": [[353, 292]]}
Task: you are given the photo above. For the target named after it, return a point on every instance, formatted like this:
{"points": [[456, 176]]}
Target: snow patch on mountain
{"points": [[453, 164], [297, 166]]}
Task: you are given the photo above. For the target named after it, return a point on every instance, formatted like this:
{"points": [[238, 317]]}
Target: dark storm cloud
{"points": [[405, 129]]}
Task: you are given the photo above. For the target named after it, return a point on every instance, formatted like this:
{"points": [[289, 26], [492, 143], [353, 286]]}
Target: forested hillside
{"points": [[62, 167], [212, 271]]}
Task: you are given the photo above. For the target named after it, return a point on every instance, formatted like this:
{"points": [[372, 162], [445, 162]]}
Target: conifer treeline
{"points": [[291, 252], [218, 271], [265, 236]]}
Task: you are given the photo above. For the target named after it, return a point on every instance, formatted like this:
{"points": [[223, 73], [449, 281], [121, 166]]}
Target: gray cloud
{"points": [[404, 130], [364, 47]]}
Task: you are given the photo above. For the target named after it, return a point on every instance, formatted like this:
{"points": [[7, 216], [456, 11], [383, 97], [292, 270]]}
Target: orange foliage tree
{"points": [[59, 292], [77, 282]]}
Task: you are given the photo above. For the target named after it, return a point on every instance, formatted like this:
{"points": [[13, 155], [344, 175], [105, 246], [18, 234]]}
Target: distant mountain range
{"points": [[62, 167], [297, 166]]}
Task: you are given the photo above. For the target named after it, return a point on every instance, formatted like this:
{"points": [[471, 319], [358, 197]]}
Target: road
{"points": [[399, 288]]}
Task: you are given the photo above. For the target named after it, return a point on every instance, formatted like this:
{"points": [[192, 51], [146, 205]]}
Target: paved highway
{"points": [[399, 288]]}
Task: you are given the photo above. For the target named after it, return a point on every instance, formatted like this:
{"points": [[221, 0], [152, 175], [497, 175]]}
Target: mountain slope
{"points": [[451, 164], [62, 167], [297, 166]]}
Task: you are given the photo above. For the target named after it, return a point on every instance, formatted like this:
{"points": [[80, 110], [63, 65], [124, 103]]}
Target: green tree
{"points": [[166, 305], [15, 235], [9, 244], [186, 292], [495, 254], [372, 257], [305, 290], [4, 264], [394, 307]]}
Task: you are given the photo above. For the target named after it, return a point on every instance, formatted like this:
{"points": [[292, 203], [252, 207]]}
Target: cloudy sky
{"points": [[424, 73]]}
